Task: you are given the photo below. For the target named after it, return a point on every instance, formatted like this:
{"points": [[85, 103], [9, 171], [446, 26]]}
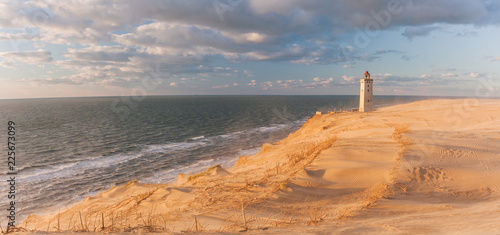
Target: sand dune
{"points": [[426, 167]]}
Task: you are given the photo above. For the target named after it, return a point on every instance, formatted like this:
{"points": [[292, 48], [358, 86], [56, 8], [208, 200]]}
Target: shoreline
{"points": [[191, 169], [336, 168], [197, 165]]}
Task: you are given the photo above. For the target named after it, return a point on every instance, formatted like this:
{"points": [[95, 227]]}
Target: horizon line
{"points": [[115, 96]]}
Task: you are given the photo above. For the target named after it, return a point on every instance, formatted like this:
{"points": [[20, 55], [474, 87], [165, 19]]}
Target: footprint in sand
{"points": [[421, 174]]}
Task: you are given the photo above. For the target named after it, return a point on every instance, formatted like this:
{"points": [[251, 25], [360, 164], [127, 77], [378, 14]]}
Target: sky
{"points": [[53, 48]]}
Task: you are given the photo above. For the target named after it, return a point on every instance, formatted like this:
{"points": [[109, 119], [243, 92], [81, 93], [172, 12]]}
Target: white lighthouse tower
{"points": [[366, 93]]}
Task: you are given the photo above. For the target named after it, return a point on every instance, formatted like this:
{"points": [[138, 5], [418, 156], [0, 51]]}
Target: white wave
{"points": [[65, 170], [198, 138], [161, 148], [248, 152], [70, 169], [227, 161], [171, 174], [255, 130]]}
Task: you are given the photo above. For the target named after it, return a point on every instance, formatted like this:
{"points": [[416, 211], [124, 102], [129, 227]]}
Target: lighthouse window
{"points": [[368, 90], [368, 101]]}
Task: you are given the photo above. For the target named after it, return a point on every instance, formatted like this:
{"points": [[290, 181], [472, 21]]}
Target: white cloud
{"points": [[349, 78], [29, 57], [444, 69], [220, 87], [252, 83], [6, 64], [16, 36], [477, 75], [174, 84], [467, 34], [251, 37], [448, 75], [419, 31], [101, 53], [281, 84]]}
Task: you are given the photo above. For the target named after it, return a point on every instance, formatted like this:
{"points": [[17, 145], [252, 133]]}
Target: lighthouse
{"points": [[366, 93]]}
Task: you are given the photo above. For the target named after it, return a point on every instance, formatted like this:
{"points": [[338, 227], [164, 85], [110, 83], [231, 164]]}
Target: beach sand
{"points": [[427, 167]]}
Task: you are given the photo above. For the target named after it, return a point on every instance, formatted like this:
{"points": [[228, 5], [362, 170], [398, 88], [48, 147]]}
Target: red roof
{"points": [[367, 73]]}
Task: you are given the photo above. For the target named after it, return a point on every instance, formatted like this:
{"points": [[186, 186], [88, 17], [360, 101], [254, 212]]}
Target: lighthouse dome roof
{"points": [[367, 73]]}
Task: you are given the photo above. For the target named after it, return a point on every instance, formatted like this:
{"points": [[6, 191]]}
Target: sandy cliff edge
{"points": [[395, 170]]}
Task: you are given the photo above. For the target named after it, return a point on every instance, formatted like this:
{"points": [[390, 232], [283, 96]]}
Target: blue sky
{"points": [[52, 48]]}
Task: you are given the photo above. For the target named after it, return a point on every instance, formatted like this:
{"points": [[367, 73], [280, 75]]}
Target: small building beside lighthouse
{"points": [[366, 93]]}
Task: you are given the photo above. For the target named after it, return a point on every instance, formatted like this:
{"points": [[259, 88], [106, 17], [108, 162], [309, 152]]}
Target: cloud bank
{"points": [[109, 41]]}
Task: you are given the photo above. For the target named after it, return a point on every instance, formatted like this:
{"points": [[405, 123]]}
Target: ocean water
{"points": [[68, 148]]}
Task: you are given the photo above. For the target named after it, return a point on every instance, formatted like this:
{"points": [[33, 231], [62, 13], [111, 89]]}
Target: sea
{"points": [[69, 148]]}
